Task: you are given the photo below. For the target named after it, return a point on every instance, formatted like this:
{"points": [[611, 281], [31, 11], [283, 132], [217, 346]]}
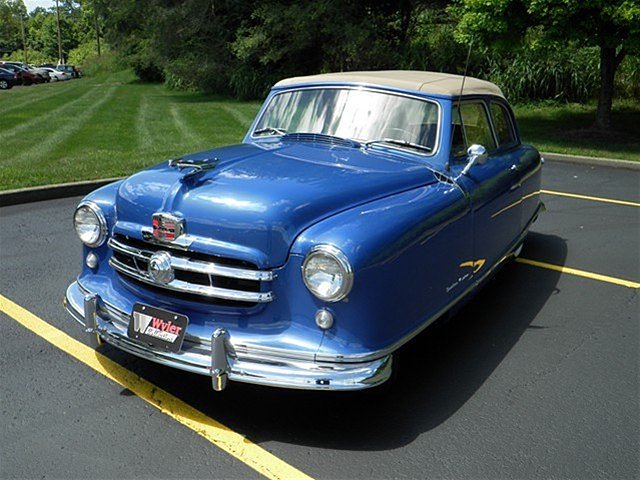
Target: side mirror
{"points": [[475, 154]]}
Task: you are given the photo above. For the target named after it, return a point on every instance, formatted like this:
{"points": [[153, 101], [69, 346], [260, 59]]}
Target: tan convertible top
{"points": [[428, 82]]}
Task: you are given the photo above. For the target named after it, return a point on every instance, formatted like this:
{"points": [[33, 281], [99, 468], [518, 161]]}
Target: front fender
{"points": [[104, 197], [405, 250]]}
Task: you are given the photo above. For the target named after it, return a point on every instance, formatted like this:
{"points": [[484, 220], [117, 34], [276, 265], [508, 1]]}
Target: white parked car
{"points": [[56, 75]]}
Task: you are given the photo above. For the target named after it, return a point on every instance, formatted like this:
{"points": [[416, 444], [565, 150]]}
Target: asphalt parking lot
{"points": [[537, 377]]}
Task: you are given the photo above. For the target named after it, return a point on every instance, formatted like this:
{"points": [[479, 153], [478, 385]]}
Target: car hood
{"points": [[258, 199]]}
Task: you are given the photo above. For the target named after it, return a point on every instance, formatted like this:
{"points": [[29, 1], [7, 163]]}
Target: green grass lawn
{"points": [[565, 128], [107, 126], [111, 125]]}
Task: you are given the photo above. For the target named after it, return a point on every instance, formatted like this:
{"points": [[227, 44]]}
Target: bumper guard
{"points": [[217, 356]]}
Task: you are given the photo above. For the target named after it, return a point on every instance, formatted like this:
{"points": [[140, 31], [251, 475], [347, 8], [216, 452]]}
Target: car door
{"points": [[492, 184], [525, 161]]}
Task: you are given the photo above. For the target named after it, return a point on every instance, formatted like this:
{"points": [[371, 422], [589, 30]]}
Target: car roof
{"points": [[429, 82]]}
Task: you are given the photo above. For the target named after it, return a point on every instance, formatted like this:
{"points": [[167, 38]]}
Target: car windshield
{"points": [[357, 114]]}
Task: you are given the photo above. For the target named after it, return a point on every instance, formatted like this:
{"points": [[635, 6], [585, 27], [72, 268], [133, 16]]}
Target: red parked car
{"points": [[25, 77]]}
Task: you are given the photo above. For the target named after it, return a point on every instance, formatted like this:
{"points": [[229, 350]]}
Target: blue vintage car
{"points": [[359, 208]]}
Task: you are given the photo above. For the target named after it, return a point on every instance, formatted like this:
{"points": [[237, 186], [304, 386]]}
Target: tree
{"points": [[611, 25], [12, 15]]}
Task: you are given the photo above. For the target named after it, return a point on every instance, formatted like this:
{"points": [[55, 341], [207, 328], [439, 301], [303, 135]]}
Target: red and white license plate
{"points": [[158, 327]]}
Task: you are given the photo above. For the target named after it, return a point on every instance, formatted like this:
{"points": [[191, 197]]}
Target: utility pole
{"points": [[60, 59], [24, 40], [95, 24]]}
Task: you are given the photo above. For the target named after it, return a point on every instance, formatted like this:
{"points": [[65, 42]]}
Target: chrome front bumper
{"points": [[218, 358]]}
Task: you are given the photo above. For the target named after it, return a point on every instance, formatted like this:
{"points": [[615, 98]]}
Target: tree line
{"points": [[542, 49]]}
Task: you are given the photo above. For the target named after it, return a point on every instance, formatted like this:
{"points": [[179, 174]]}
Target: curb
{"points": [[50, 192], [73, 189], [596, 161]]}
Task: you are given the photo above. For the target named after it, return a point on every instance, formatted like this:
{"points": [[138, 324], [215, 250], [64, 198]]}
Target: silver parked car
{"points": [[56, 75]]}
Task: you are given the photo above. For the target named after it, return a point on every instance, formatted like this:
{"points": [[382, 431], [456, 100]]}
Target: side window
{"points": [[502, 122], [476, 129], [458, 143]]}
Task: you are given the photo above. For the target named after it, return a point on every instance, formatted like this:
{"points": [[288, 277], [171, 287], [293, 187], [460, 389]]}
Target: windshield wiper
{"points": [[395, 141], [275, 130]]}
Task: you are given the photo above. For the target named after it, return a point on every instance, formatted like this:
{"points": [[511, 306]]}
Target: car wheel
{"points": [[4, 85]]}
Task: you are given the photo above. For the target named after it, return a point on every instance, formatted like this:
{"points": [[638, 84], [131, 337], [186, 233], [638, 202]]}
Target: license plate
{"points": [[158, 327]]}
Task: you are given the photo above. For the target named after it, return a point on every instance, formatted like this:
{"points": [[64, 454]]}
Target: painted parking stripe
{"points": [[587, 197], [579, 273], [221, 436]]}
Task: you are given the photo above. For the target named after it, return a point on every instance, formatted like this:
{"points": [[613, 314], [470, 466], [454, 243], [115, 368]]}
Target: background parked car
{"points": [[42, 73], [56, 75], [7, 79], [69, 70], [24, 75]]}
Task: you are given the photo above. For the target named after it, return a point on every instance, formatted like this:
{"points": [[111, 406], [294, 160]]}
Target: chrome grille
{"points": [[196, 275]]}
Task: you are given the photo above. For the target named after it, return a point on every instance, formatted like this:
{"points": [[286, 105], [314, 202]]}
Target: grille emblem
{"points": [[160, 269], [167, 227]]}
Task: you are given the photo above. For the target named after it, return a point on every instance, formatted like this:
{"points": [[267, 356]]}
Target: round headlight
{"points": [[327, 273], [90, 224]]}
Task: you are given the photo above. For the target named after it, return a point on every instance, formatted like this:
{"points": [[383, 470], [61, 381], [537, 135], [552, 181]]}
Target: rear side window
{"points": [[502, 122], [475, 129]]}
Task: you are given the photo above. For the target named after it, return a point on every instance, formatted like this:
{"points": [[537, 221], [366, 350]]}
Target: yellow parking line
{"points": [[595, 199], [221, 436], [579, 273]]}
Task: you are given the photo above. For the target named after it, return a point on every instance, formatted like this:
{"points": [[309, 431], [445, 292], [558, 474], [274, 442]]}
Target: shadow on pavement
{"points": [[440, 371]]}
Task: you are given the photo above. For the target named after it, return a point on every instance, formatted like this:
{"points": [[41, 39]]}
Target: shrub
{"points": [[564, 73], [628, 78], [33, 56]]}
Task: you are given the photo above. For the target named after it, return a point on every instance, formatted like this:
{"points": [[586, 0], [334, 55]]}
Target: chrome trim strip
{"points": [[184, 287], [198, 266]]}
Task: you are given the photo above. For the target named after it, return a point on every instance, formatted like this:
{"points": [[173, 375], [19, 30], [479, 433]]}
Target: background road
{"points": [[537, 377]]}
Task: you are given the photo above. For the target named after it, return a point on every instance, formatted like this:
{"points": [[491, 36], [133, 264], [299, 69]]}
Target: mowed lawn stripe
{"points": [[242, 118], [47, 120], [110, 140], [42, 92], [164, 140], [188, 135], [79, 116], [64, 136], [145, 140]]}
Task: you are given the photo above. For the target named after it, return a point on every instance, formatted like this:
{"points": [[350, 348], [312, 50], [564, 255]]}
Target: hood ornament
{"points": [[167, 227], [197, 166], [160, 268]]}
